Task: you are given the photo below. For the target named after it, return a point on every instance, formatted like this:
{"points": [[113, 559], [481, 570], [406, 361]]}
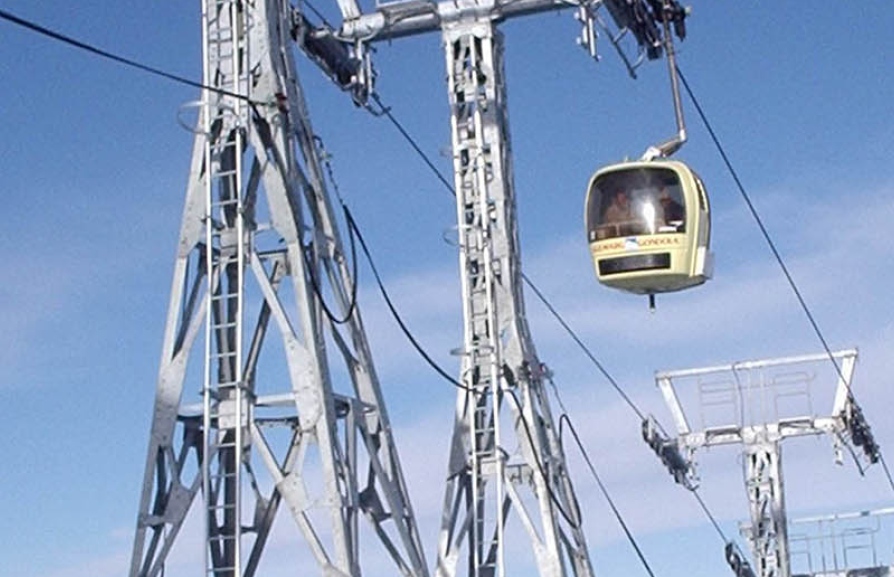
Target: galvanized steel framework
{"points": [[750, 394], [498, 467], [259, 256], [499, 369], [259, 227]]}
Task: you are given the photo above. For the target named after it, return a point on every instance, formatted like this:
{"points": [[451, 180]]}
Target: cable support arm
{"points": [[737, 561], [860, 432], [680, 467], [639, 18], [347, 64]]}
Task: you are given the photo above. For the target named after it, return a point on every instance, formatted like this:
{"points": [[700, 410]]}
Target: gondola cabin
{"points": [[649, 226]]}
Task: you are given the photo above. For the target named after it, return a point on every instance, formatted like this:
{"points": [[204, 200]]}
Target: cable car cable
{"points": [[758, 220], [791, 281], [710, 516], [604, 491], [386, 111], [574, 522], [583, 347], [542, 298]]}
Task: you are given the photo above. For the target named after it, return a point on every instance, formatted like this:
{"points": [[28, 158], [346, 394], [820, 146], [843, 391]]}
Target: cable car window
{"points": [[634, 202]]}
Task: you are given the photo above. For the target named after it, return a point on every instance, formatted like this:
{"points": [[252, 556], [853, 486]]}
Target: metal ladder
{"points": [[482, 345], [225, 394]]}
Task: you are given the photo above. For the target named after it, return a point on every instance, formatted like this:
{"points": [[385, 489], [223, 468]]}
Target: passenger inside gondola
{"points": [[617, 218], [672, 211], [632, 204]]}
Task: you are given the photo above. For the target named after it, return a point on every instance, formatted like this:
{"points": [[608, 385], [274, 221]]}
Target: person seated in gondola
{"points": [[674, 213], [618, 218]]}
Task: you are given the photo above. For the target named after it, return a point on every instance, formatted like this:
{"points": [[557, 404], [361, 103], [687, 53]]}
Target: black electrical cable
{"points": [[5, 15], [575, 521], [317, 285], [352, 225], [44, 31]]}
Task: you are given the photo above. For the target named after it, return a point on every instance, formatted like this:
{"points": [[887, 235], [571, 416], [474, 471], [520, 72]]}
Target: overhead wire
{"points": [[777, 255], [565, 415], [386, 111], [352, 224], [583, 347], [602, 488], [758, 219], [58, 36]]}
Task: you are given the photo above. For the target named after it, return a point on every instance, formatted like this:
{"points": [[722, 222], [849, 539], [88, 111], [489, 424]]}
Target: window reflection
{"points": [[636, 202]]}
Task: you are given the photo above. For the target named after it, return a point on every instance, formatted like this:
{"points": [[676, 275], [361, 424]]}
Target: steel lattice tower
{"points": [[505, 459], [260, 233], [261, 288], [500, 371]]}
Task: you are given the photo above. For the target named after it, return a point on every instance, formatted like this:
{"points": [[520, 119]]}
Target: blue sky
{"points": [[95, 163]]}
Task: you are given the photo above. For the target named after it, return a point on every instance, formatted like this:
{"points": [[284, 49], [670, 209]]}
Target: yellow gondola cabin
{"points": [[649, 226]]}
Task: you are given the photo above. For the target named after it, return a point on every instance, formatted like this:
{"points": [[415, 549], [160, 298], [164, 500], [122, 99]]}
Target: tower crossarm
{"points": [[409, 17], [773, 398], [757, 405]]}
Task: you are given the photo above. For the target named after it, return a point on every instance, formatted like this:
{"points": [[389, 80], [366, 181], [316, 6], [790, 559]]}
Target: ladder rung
{"points": [[217, 297], [221, 146], [224, 173], [217, 508], [221, 34], [228, 570], [223, 355]]}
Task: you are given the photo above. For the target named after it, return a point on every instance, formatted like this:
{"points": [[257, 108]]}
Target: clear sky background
{"points": [[94, 167]]}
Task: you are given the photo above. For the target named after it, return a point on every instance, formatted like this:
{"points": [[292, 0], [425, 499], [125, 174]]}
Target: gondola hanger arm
{"points": [[669, 147]]}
